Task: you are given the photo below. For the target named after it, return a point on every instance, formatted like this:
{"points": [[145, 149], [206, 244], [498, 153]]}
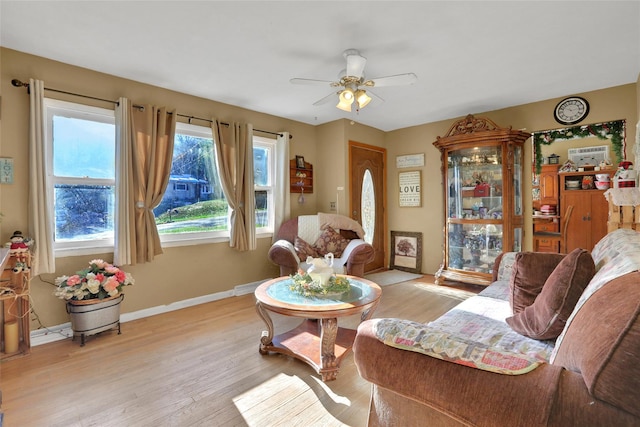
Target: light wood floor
{"points": [[198, 366]]}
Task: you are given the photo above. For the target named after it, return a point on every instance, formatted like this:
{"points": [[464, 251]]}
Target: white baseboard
{"points": [[63, 331]]}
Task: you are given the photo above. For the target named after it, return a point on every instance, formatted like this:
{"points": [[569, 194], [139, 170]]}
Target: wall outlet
{"points": [[332, 206]]}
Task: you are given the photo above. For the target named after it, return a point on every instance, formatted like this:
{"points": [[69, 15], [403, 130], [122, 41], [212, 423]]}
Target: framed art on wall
{"points": [[409, 189], [406, 251]]}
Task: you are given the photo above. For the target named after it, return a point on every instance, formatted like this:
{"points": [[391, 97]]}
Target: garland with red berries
{"points": [[614, 130]]}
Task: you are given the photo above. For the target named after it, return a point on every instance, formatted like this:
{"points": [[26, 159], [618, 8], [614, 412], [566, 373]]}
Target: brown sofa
{"points": [[308, 230], [592, 377]]}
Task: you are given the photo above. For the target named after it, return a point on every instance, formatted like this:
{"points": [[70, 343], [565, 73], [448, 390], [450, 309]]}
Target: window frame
{"points": [[56, 107], [270, 145]]}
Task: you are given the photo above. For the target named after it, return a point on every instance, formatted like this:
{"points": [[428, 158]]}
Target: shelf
{"points": [[300, 179], [15, 302]]}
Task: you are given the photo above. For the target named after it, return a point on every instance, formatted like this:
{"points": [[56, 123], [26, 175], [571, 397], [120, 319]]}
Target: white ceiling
{"points": [[469, 56]]}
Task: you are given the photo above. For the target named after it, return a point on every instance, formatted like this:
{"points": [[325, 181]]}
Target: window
{"points": [[263, 179], [194, 206], [81, 143]]}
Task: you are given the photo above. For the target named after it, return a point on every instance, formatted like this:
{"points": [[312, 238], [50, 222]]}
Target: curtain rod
{"points": [[18, 83]]}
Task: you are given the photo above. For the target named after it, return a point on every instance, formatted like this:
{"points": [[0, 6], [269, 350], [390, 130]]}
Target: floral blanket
{"points": [[474, 333]]}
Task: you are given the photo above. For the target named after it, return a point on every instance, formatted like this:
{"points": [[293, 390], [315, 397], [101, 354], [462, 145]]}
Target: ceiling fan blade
{"points": [[311, 82], [326, 99], [355, 63], [397, 80], [376, 98]]}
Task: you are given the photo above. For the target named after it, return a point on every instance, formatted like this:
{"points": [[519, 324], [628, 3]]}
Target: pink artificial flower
{"points": [[111, 269], [120, 276], [100, 277], [111, 284], [73, 280], [99, 263]]}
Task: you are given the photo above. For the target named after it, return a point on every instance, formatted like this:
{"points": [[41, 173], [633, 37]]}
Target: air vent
{"points": [[589, 155]]}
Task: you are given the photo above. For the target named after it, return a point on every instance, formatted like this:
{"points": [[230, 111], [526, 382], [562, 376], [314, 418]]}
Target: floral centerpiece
{"points": [[305, 285], [101, 280]]}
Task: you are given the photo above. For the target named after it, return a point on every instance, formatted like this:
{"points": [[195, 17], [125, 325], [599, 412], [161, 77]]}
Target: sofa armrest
{"points": [[547, 396], [283, 253]]}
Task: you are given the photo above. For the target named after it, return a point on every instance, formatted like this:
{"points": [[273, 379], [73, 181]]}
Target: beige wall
{"points": [[615, 103], [181, 272], [192, 271]]}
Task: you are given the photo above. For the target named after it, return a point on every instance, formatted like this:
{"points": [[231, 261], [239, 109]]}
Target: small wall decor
{"points": [[406, 251], [409, 189], [300, 162], [6, 170], [410, 161]]}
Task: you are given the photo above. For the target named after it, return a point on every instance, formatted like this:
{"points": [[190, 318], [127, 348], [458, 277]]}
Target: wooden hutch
{"points": [[482, 171]]}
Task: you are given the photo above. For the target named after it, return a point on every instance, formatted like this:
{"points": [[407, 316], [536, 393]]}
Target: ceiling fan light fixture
{"points": [[362, 98], [346, 98]]}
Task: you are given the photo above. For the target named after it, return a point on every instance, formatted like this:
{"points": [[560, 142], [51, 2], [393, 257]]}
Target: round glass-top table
{"points": [[318, 340]]}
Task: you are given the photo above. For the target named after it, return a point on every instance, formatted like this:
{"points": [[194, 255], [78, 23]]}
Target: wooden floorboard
{"points": [[199, 366]]}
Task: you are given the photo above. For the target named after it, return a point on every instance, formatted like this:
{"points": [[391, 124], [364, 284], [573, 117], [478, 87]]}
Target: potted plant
{"points": [[93, 297]]}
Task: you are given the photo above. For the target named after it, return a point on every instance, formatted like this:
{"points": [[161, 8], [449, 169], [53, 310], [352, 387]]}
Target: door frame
{"points": [[383, 151]]}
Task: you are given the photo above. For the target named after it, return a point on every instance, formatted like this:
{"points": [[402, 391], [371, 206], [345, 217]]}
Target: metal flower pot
{"points": [[89, 317]]}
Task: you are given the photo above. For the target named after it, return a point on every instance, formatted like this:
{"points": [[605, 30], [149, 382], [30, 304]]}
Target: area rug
{"points": [[391, 277]]}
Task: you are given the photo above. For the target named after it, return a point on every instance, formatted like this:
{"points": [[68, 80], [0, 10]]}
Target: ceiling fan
{"points": [[353, 84]]}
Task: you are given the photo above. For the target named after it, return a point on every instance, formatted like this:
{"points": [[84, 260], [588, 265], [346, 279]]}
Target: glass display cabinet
{"points": [[482, 176]]}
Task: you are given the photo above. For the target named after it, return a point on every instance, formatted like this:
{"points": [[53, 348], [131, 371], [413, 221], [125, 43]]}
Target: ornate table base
{"points": [[317, 341]]}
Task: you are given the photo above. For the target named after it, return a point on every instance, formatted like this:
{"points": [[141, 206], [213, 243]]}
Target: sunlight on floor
{"points": [[444, 291], [264, 404]]}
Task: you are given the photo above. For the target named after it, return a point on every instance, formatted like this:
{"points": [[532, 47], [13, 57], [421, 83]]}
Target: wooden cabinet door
{"points": [[588, 222], [579, 230], [549, 185], [599, 218]]}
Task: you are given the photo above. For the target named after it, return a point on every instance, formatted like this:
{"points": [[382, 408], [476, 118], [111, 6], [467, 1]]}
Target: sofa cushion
{"points": [[529, 274], [602, 342], [547, 316], [330, 241], [304, 249]]}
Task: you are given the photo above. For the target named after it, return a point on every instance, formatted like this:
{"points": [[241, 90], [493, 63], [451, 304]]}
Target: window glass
{"points": [[194, 201], [263, 179], [81, 141]]}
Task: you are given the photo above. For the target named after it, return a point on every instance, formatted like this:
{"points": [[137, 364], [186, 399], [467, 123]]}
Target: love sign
{"points": [[410, 188]]}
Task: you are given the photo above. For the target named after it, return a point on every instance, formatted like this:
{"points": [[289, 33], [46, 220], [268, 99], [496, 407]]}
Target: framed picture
{"points": [[409, 189], [406, 251], [300, 162]]}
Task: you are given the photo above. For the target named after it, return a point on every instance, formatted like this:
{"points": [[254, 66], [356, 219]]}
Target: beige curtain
{"points": [[234, 156], [124, 250], [281, 194], [40, 216], [151, 155]]}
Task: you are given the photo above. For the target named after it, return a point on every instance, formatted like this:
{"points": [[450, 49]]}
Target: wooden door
{"points": [[588, 222], [599, 218], [578, 232], [367, 191], [549, 185]]}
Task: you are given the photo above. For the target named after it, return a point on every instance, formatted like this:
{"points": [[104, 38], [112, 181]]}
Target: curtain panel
{"points": [[282, 196], [40, 217], [234, 157], [124, 249], [151, 156]]}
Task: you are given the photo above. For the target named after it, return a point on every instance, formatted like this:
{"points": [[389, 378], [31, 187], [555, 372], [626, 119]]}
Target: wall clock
{"points": [[571, 110]]}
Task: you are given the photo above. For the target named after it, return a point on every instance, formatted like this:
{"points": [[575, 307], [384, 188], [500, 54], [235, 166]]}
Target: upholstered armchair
{"points": [[317, 235]]}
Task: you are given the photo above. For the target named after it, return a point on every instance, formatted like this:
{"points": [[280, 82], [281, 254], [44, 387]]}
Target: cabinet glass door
{"points": [[475, 208]]}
